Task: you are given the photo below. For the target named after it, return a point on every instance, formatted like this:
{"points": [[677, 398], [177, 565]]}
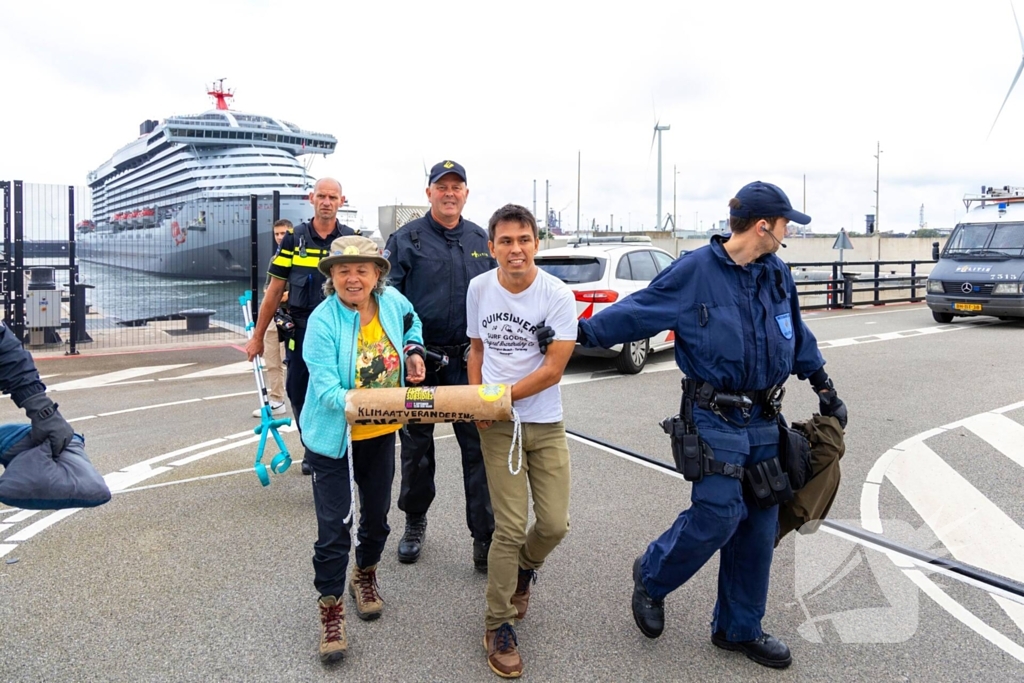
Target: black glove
{"points": [[545, 335], [830, 405], [48, 425]]}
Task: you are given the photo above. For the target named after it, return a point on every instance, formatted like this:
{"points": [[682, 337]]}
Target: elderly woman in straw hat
{"points": [[363, 335]]}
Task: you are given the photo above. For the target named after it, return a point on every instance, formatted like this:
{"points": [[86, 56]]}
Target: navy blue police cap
{"points": [[764, 200], [445, 167]]}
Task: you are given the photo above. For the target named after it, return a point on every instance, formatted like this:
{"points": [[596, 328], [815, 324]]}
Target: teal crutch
{"points": [[282, 461]]}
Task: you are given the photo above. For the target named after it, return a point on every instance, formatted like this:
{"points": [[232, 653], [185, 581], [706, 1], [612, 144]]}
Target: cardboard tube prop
{"points": [[412, 405]]}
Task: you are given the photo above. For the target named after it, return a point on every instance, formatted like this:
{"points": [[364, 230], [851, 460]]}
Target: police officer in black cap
{"points": [[295, 264], [433, 258]]}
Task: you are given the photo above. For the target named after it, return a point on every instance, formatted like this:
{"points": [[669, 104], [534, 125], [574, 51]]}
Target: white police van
{"points": [[980, 271]]}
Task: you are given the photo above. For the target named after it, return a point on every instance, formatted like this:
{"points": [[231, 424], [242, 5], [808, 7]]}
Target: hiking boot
{"points": [[766, 650], [412, 540], [363, 589], [521, 598], [480, 551], [503, 652], [333, 642], [648, 613]]}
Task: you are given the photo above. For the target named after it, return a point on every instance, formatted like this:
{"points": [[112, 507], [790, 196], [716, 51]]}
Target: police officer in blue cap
{"points": [[433, 258], [739, 336]]}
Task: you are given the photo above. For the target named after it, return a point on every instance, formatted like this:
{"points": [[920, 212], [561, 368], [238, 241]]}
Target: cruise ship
{"points": [[176, 200]]}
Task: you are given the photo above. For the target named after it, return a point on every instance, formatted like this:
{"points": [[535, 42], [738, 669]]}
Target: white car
{"points": [[602, 270]]}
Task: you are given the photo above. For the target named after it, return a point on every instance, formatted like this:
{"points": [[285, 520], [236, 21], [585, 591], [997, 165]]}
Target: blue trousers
{"points": [[720, 519]]}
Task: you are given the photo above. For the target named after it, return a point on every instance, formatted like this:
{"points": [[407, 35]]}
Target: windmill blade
{"points": [[426, 173], [650, 152], [1019, 69], [1019, 34]]}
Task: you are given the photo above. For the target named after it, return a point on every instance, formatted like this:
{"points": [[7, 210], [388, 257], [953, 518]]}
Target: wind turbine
{"points": [[1019, 70], [658, 128]]}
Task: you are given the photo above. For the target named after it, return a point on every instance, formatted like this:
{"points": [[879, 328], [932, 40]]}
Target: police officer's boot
{"points": [[412, 540], [648, 613], [766, 650]]}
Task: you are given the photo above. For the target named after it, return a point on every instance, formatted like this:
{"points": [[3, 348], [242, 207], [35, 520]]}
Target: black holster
{"points": [[692, 455], [285, 324]]}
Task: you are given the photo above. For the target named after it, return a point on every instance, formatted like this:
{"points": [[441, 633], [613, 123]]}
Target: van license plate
{"points": [[967, 307]]}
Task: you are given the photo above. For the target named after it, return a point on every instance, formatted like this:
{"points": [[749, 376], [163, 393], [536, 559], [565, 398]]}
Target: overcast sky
{"points": [[753, 90]]}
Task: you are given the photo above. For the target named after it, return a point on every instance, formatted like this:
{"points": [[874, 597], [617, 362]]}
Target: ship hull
{"points": [[200, 239]]}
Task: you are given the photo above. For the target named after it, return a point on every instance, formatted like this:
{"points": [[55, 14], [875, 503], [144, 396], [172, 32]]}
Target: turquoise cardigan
{"points": [[329, 349]]}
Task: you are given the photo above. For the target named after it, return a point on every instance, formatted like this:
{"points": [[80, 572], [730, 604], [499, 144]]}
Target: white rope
{"points": [[351, 484], [517, 436]]}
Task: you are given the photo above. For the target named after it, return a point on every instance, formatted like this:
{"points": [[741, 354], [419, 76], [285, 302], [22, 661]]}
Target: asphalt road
{"points": [[194, 572]]}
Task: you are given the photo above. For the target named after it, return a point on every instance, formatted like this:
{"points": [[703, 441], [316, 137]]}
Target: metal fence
{"points": [[137, 271], [836, 285]]}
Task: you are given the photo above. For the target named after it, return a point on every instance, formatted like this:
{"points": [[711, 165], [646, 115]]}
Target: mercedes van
{"points": [[980, 271]]}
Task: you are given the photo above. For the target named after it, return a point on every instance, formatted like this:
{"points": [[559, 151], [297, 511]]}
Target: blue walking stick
{"points": [[282, 461]]}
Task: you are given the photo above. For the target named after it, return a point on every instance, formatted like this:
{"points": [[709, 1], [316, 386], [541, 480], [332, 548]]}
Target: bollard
{"points": [[848, 280], [198, 319]]}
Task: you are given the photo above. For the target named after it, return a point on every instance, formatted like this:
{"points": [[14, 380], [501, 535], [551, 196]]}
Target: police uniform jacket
{"points": [[296, 263], [18, 374], [432, 266], [737, 327]]}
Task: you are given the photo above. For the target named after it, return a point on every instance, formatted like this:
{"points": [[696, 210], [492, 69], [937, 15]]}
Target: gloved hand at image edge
{"points": [[48, 425]]}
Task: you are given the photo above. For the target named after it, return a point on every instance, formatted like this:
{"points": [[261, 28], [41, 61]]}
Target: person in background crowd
{"points": [[273, 359]]}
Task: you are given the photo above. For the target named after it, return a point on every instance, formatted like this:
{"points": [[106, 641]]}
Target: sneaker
{"points": [[503, 652], [411, 545], [521, 598], [480, 552], [333, 641], [363, 589], [275, 409]]}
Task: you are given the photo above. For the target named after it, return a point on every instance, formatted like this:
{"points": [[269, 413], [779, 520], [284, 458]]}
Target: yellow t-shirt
{"points": [[378, 365]]}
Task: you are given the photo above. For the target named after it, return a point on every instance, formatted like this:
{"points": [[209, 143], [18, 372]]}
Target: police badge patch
{"points": [[785, 322]]}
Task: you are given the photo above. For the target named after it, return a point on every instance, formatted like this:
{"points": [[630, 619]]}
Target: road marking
{"points": [[186, 481], [105, 379], [157, 405], [902, 334], [6, 548], [239, 368], [971, 527], [23, 515]]}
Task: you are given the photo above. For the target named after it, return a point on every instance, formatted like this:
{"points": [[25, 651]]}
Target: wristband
{"points": [[415, 349]]}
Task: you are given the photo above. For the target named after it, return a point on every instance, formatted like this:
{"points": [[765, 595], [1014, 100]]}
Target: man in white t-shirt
{"points": [[504, 310]]}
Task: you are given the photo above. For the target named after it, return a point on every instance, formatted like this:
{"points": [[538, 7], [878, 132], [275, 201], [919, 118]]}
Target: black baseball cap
{"points": [[445, 167], [764, 200]]}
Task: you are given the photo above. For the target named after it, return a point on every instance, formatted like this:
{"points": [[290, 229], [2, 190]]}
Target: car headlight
{"points": [[1007, 288], [935, 287]]}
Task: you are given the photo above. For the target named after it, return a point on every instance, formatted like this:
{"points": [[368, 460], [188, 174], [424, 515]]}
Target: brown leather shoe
{"points": [[503, 651], [363, 589], [521, 598], [333, 641]]}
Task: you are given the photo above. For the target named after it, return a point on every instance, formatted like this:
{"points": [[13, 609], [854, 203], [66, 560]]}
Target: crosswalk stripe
{"points": [[1004, 434], [111, 377]]}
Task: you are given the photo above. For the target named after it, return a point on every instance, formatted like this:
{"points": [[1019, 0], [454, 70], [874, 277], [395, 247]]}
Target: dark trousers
{"points": [[723, 520], [297, 380], [374, 468], [418, 464]]}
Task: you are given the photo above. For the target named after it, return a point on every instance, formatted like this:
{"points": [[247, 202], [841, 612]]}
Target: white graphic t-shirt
{"points": [[507, 324]]}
